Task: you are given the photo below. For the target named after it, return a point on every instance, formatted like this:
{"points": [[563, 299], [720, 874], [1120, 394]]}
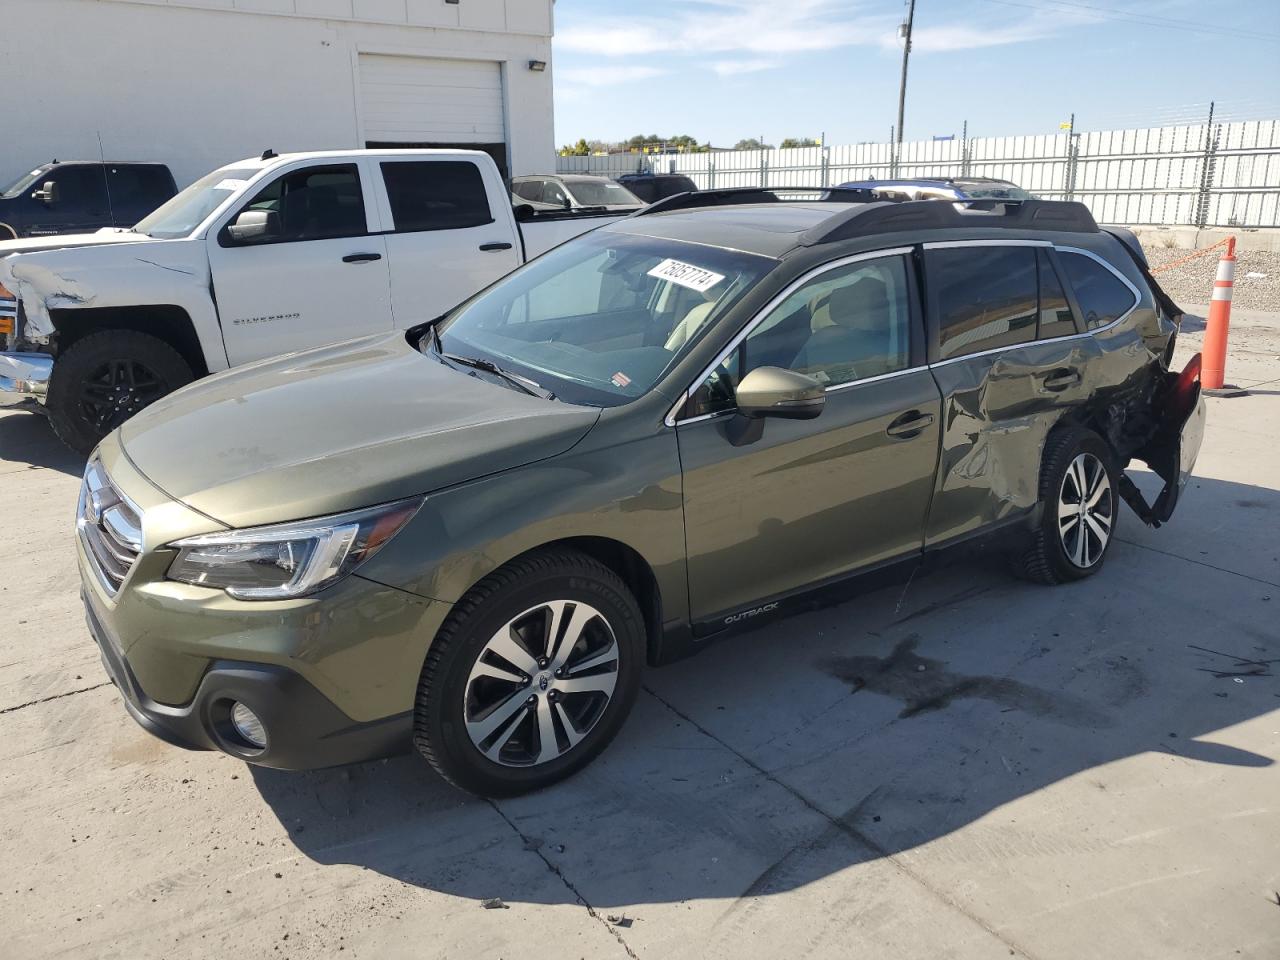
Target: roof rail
{"points": [[894, 216], [730, 195]]}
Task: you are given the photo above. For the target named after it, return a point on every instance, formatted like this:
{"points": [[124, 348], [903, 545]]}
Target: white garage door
{"points": [[422, 100]]}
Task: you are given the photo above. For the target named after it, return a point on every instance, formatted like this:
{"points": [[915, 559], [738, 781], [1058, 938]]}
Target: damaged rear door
{"points": [[1007, 356]]}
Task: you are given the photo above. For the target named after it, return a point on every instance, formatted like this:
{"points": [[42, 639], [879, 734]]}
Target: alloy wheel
{"points": [[541, 683], [116, 391], [1086, 510]]}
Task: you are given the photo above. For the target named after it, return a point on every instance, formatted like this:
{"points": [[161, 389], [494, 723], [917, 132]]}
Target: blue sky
{"points": [[727, 69]]}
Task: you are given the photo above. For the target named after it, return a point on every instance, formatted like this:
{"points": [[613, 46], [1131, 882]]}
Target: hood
{"points": [[58, 242], [339, 428]]}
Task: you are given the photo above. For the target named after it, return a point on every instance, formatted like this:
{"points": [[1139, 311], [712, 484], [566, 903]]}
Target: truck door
{"points": [[301, 264], [70, 198], [449, 235]]}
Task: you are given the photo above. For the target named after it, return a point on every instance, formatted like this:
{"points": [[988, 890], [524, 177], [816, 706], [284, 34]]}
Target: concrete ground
{"points": [[967, 766]]}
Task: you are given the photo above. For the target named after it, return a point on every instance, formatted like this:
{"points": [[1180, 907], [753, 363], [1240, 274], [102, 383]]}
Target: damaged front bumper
{"points": [[24, 376], [1172, 450]]}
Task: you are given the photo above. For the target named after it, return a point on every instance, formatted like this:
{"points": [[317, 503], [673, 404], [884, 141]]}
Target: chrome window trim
{"points": [[670, 419]]}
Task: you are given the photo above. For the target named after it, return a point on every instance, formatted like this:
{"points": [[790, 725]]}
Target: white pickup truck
{"points": [[261, 257]]}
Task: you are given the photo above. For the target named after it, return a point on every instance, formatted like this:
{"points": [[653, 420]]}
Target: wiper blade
{"points": [[531, 387]]}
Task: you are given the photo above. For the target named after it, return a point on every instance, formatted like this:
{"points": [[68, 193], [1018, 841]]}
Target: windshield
{"points": [[600, 319], [589, 194], [992, 191], [24, 181], [192, 206]]}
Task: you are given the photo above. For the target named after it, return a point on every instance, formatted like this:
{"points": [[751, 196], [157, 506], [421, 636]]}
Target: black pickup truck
{"points": [[80, 196]]}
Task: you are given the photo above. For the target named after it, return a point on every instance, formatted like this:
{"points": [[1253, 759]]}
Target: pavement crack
{"points": [[1202, 563], [56, 696], [591, 911], [843, 825]]}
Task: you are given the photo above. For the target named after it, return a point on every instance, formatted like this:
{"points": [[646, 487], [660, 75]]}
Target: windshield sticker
{"points": [[686, 275], [620, 380], [230, 184]]}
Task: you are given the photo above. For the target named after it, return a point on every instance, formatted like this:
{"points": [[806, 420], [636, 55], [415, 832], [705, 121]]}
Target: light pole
{"points": [[905, 31]]}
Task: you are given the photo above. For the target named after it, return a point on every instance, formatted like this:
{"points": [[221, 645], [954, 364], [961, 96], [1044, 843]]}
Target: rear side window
{"points": [[982, 297], [528, 189], [1055, 313], [436, 195], [1102, 296], [139, 186]]}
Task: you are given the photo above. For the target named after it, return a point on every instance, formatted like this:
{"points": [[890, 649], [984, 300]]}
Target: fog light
{"points": [[248, 725]]}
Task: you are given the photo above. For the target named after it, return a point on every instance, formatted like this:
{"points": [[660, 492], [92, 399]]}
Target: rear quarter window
{"points": [[1103, 297]]}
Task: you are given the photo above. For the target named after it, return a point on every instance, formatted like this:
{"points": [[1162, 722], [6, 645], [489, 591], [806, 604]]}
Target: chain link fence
{"points": [[1205, 174]]}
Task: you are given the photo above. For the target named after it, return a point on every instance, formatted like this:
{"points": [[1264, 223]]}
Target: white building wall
{"points": [[199, 83]]}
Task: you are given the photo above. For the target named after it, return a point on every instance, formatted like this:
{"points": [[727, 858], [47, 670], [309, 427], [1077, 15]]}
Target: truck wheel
{"points": [[1079, 485], [7, 232], [104, 379], [531, 676]]}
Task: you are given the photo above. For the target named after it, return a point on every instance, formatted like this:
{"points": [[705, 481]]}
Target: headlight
{"points": [[290, 559]]}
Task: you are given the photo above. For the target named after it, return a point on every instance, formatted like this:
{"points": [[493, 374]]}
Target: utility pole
{"points": [[905, 32]]}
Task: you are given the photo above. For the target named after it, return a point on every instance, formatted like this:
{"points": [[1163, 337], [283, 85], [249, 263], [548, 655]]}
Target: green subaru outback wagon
{"points": [[474, 536]]}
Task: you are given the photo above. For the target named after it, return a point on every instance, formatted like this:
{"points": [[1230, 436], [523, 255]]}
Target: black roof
{"points": [[765, 222]]}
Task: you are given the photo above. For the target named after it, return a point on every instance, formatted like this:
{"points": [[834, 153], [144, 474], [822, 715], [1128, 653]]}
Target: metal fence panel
{"points": [[1221, 174]]}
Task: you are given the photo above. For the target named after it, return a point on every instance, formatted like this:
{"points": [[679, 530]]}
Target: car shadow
{"points": [[853, 732], [26, 438]]}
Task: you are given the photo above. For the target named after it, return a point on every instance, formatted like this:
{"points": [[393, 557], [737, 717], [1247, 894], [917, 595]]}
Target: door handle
{"points": [[909, 425], [1058, 380], [490, 247], [361, 257]]}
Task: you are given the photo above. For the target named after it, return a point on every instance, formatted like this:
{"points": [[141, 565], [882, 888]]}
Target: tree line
{"points": [[682, 143]]}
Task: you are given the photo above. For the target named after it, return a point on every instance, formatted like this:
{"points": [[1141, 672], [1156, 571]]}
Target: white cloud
{"points": [[723, 26], [727, 68], [608, 74], [772, 29]]}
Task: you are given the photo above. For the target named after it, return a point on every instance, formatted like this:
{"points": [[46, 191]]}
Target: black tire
{"points": [[83, 406], [440, 720], [1048, 559]]}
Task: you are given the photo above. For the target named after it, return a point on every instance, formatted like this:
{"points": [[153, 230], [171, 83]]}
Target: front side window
{"points": [[983, 297], [315, 203], [182, 214], [1102, 296], [81, 188], [552, 192], [601, 318], [850, 323], [436, 195]]}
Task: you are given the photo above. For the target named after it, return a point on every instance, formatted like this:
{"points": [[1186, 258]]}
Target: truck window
{"points": [[315, 203], [139, 186], [82, 188], [436, 195]]}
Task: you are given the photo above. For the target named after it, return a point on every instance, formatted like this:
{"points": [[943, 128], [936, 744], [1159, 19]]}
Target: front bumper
{"points": [[24, 376], [305, 730]]}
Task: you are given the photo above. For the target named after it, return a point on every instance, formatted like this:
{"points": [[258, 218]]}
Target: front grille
{"points": [[110, 528]]}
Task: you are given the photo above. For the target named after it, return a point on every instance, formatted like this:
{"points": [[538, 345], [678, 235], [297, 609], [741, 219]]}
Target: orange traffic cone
{"points": [[1215, 334]]}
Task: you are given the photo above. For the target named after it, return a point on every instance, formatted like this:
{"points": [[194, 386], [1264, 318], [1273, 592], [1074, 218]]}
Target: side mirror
{"points": [[775, 392], [524, 212], [48, 193], [568, 204], [254, 226]]}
